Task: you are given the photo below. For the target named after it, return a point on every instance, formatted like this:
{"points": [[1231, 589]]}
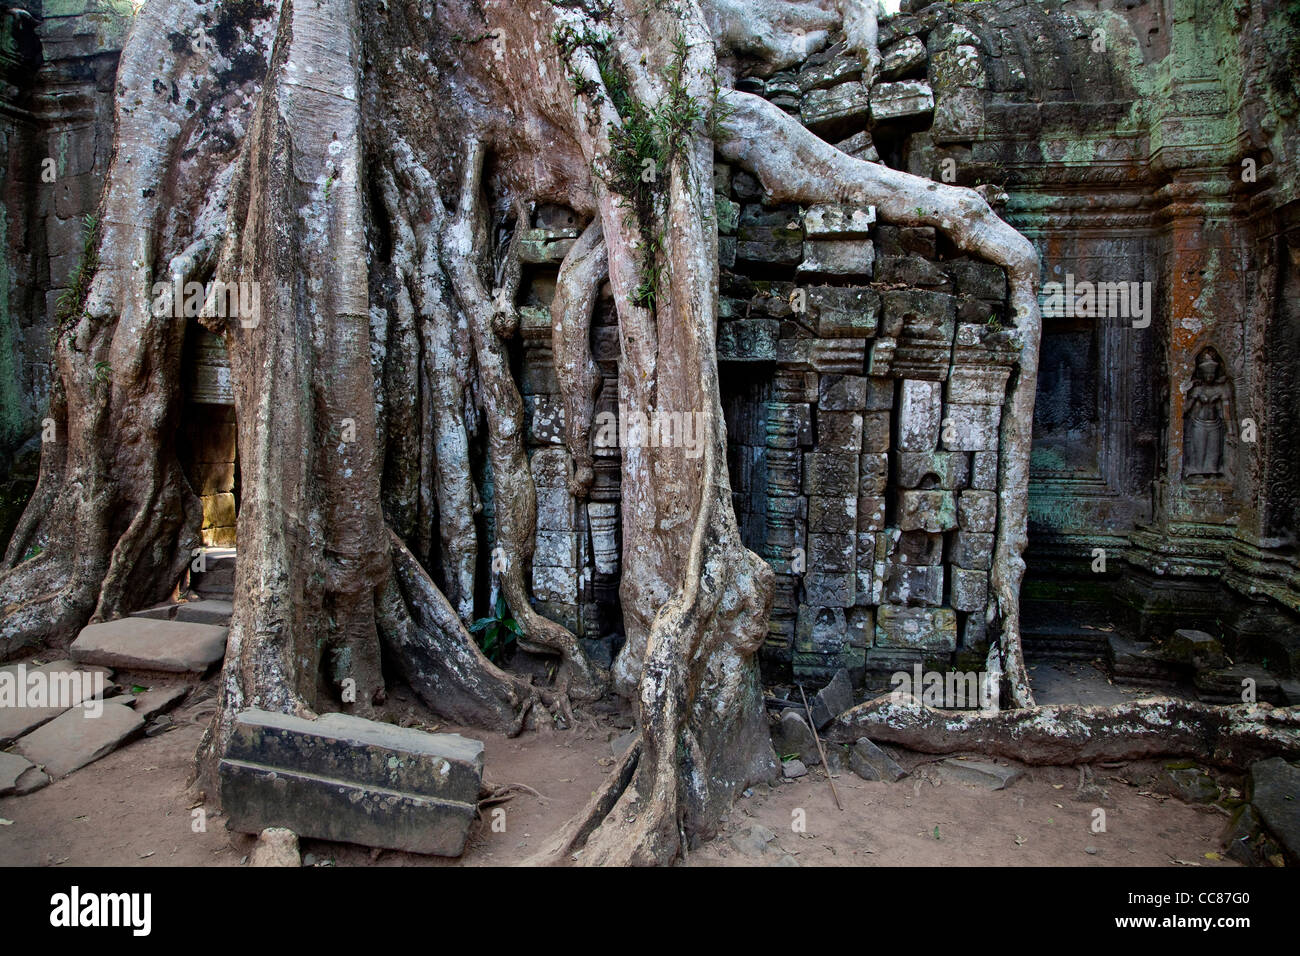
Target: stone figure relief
{"points": [[1206, 419]]}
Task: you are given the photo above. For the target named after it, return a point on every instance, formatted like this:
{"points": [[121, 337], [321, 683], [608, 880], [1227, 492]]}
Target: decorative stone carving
{"points": [[602, 519], [1207, 415]]}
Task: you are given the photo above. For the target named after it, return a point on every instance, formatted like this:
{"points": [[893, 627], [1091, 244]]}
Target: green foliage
{"points": [[69, 303], [498, 633]]}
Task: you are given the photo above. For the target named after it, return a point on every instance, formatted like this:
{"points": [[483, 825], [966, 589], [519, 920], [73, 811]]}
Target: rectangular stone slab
{"points": [[74, 738], [146, 644], [16, 721], [352, 780]]}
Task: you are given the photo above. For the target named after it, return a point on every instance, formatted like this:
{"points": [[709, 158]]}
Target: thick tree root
{"points": [[584, 269], [1066, 734]]}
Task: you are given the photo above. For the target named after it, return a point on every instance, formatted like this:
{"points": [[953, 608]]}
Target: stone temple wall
{"points": [[1137, 141], [863, 367]]}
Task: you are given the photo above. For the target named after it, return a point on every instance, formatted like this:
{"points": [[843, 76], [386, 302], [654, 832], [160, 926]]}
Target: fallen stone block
{"points": [[990, 776], [794, 738], [18, 775], [157, 700], [352, 780], [1194, 648], [793, 769], [144, 644], [33, 696], [1273, 786], [871, 763], [832, 700], [78, 737]]}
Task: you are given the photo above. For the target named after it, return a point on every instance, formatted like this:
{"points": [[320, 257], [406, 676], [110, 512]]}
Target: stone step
{"points": [[80, 736], [352, 780], [61, 684], [1052, 643], [1132, 662], [138, 643], [207, 611], [217, 579], [1227, 685]]}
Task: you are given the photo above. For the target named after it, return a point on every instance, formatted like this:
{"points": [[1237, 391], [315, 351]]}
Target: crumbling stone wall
{"points": [[864, 369]]}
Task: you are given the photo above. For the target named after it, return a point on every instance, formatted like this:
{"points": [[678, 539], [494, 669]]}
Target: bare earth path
{"points": [[133, 808]]}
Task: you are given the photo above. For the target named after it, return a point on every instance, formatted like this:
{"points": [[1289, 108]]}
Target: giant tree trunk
{"points": [[385, 153]]}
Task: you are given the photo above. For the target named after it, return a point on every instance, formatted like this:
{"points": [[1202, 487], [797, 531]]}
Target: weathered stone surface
{"points": [[860, 146], [926, 511], [832, 700], [839, 432], [971, 427], [977, 511], [1275, 795], [157, 700], [876, 432], [554, 509], [905, 55], [208, 611], [873, 474], [356, 781], [728, 214], [1194, 648], [545, 417], [556, 549], [748, 340], [68, 684], [830, 475], [920, 315], [145, 644], [970, 589], [871, 513], [793, 737], [275, 846], [983, 280], [547, 246], [938, 469], [917, 628], [770, 235], [832, 515], [871, 763], [829, 70], [829, 589], [912, 271], [793, 769], [984, 470], [841, 104], [844, 312], [845, 356], [919, 586], [919, 415], [842, 393], [838, 221], [752, 840], [972, 549], [838, 257], [78, 737], [19, 776], [832, 553], [891, 101], [980, 773], [559, 585], [978, 385]]}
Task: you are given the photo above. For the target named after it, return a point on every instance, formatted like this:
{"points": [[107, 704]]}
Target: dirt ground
{"points": [[133, 808]]}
